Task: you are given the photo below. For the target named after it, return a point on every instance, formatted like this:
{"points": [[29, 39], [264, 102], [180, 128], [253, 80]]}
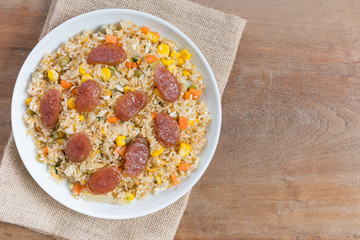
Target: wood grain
{"points": [[287, 165]]}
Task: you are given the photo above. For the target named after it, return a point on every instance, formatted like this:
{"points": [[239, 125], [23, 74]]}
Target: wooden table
{"points": [[288, 160]]}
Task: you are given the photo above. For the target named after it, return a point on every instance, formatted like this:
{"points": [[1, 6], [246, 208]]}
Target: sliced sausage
{"points": [[167, 130], [107, 53], [129, 104], [167, 84], [88, 96], [137, 156], [104, 180], [50, 107], [78, 147]]}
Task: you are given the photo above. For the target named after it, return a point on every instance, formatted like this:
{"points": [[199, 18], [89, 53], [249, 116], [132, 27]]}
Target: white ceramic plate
{"points": [[26, 146]]}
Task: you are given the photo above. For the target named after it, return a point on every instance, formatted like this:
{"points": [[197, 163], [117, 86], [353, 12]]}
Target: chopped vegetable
{"points": [[185, 55], [167, 62], [187, 95], [191, 122], [77, 188], [113, 119], [171, 68], [164, 50], [120, 140], [46, 149], [128, 89], [134, 65], [60, 141], [86, 77], [175, 55], [128, 140], [134, 59], [53, 75], [184, 149], [64, 60], [157, 93], [28, 101], [174, 179], [30, 112], [71, 103], [156, 153], [152, 37], [81, 118], [158, 180], [55, 136], [55, 167], [128, 64], [153, 115], [112, 68], [191, 86], [186, 73], [110, 38], [184, 167], [75, 91], [180, 62], [183, 123], [66, 84], [121, 150], [129, 197], [152, 65], [82, 69], [151, 58], [138, 73], [196, 93], [105, 74], [145, 29]]}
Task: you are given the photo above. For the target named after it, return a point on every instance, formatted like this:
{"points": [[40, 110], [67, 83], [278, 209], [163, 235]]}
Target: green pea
{"points": [[112, 68], [138, 73], [63, 61], [191, 86], [30, 112], [128, 140], [55, 136], [152, 65]]}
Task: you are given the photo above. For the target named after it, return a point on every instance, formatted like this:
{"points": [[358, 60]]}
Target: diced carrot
{"points": [[145, 30], [121, 150], [77, 188], [66, 84], [174, 179], [184, 167], [196, 93], [113, 119], [153, 115], [183, 122], [157, 34], [134, 65], [110, 38], [151, 58], [46, 149], [187, 95], [75, 91], [128, 64]]}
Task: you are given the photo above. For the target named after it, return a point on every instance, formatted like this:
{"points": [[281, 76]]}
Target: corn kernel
{"points": [[184, 149], [167, 62], [157, 152], [128, 89], [157, 93], [105, 74], [28, 101], [185, 55], [120, 140], [109, 92], [82, 69], [152, 37], [81, 118], [191, 122], [180, 62], [164, 50], [175, 55], [53, 75], [158, 180], [129, 196], [71, 103], [86, 77], [60, 141], [186, 73], [171, 68]]}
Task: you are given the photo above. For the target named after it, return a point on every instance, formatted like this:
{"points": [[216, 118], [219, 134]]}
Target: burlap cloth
{"points": [[24, 203]]}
